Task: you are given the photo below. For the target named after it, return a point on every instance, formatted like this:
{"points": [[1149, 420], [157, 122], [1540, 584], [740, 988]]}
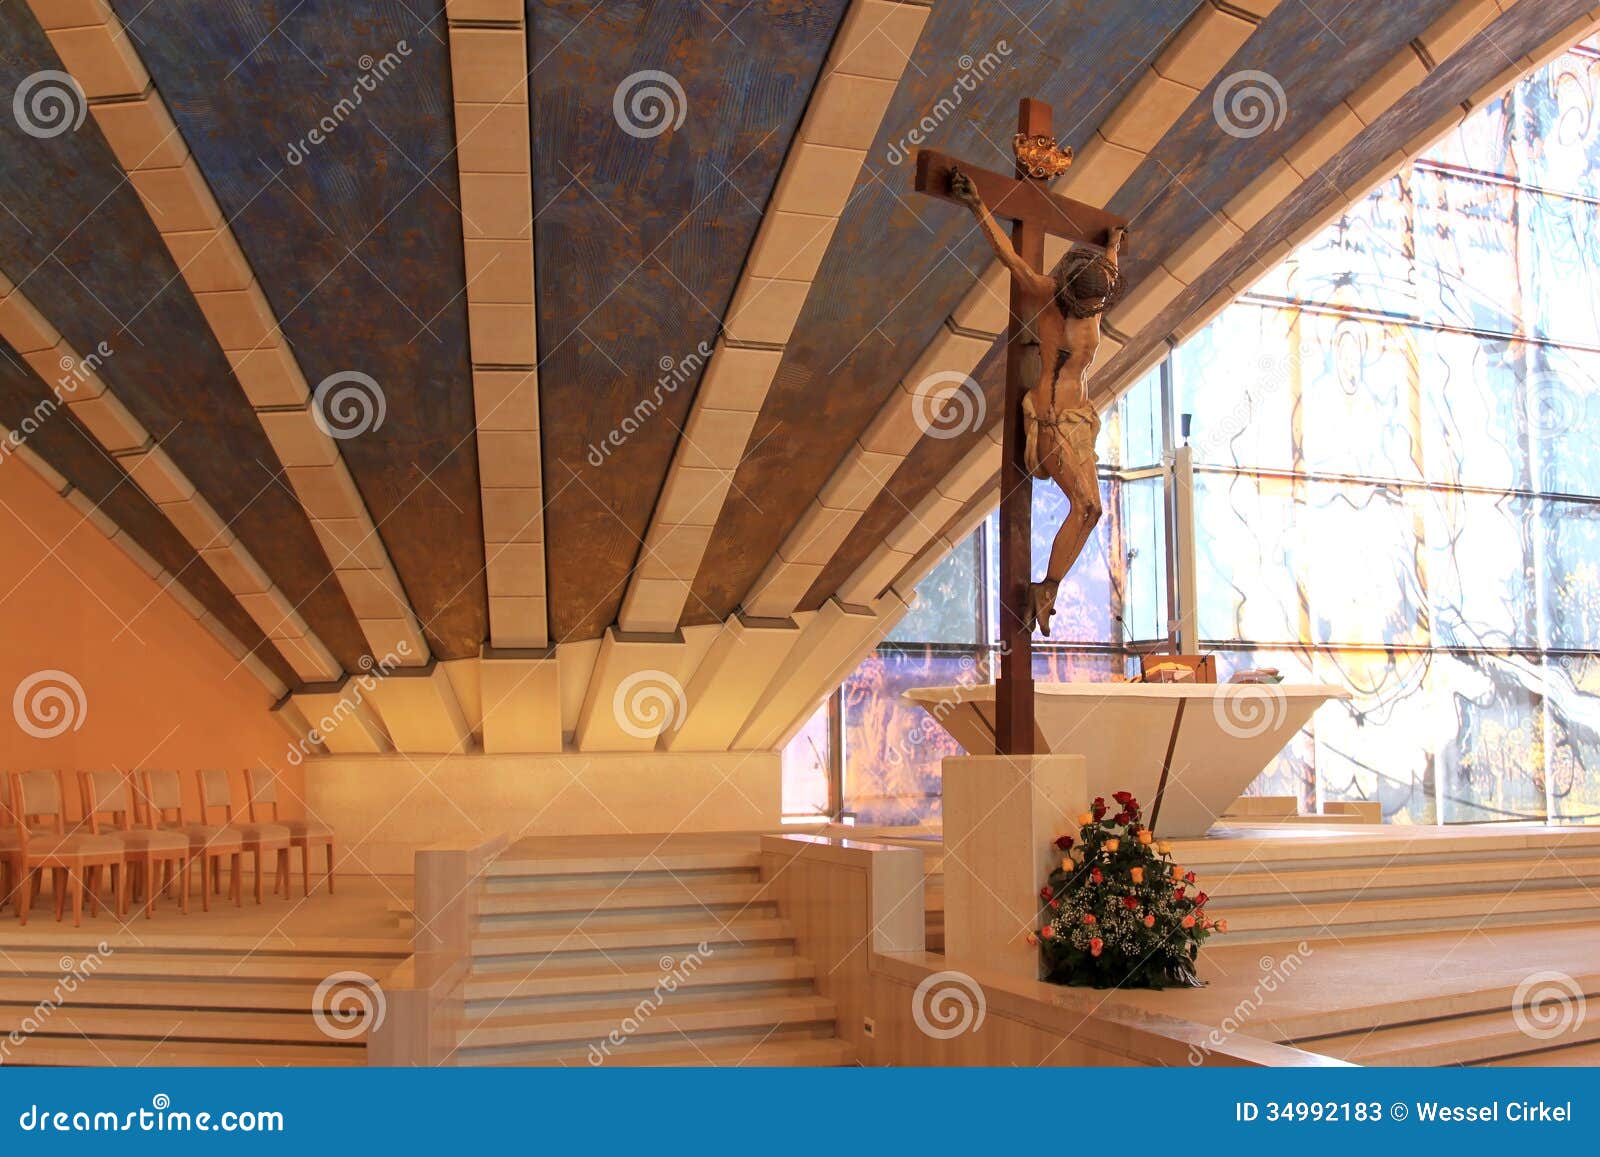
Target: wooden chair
{"points": [[74, 858], [161, 798], [261, 784], [258, 838], [159, 855], [10, 845]]}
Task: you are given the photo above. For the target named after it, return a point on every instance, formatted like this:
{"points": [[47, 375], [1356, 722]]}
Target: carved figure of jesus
{"points": [[1061, 318]]}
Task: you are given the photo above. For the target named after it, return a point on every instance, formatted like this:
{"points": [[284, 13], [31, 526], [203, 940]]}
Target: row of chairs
{"points": [[134, 837]]}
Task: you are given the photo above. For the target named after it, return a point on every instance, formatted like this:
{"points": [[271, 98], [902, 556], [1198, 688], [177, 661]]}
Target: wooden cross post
{"points": [[1036, 212]]}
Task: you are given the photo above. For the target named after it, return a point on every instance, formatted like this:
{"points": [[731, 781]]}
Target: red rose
{"points": [[1044, 892], [1121, 818], [1064, 843], [1149, 921], [1055, 905], [1130, 902], [1095, 946], [1177, 894], [1123, 797], [1200, 900], [1188, 877], [1096, 876], [1048, 932], [1098, 808], [1088, 918]]}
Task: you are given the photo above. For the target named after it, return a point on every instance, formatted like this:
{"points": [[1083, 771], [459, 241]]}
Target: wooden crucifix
{"points": [[1050, 425]]}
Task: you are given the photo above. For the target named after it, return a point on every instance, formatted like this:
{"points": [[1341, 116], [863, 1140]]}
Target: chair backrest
{"points": [[163, 795], [261, 787], [215, 791], [106, 793], [38, 794]]}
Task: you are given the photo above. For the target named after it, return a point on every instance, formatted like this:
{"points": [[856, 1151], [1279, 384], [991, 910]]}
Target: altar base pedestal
{"points": [[1001, 816]]}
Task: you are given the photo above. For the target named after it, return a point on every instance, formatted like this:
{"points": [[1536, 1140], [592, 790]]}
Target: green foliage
{"points": [[1118, 912]]}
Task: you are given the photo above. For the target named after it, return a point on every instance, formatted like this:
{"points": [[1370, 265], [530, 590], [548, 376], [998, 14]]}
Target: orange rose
{"points": [[1137, 874], [1066, 863], [1085, 819], [1095, 946], [1163, 847], [1145, 838], [1177, 872], [1222, 925], [1149, 921], [1032, 939], [1187, 921], [1113, 845]]}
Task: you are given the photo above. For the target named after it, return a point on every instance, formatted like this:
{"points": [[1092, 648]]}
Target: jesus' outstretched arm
{"points": [[1032, 281]]}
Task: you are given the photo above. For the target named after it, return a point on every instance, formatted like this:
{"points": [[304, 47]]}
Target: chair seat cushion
{"points": [[269, 834], [53, 845], [308, 829], [143, 840], [211, 837]]}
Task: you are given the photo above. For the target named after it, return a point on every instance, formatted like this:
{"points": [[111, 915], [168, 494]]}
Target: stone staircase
{"points": [[1482, 1027], [182, 1000], [665, 956], [1393, 880]]}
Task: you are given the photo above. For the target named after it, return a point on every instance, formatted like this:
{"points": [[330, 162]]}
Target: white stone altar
{"points": [[1186, 750]]}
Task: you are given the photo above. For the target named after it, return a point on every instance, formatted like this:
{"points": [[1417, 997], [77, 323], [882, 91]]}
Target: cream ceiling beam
{"points": [[108, 421], [858, 81], [489, 72], [151, 150], [1153, 105], [96, 517]]}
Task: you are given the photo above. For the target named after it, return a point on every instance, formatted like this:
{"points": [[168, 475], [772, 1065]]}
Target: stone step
{"points": [[814, 1052], [672, 1018], [1571, 1056], [648, 933], [1371, 917], [82, 1052], [1243, 888], [155, 1024], [206, 965], [280, 996], [553, 982], [664, 860], [620, 897], [1453, 1040]]}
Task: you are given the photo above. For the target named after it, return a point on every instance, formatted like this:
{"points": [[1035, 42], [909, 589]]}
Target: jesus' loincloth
{"points": [[1076, 428]]}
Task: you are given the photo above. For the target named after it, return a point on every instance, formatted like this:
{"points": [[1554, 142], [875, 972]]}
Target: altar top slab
{"points": [[984, 692]]}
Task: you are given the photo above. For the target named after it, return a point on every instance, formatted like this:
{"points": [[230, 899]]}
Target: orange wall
{"points": [[159, 691]]}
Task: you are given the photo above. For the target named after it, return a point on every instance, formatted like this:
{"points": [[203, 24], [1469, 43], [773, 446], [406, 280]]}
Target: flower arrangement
{"points": [[1118, 912]]}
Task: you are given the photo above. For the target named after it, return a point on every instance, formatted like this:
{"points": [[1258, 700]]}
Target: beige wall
{"points": [[158, 690]]}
